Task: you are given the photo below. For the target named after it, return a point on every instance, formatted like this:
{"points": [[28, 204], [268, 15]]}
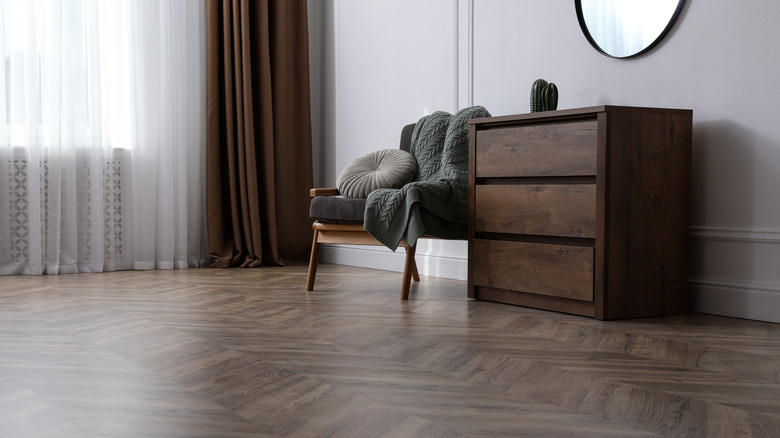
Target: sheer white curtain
{"points": [[102, 136]]}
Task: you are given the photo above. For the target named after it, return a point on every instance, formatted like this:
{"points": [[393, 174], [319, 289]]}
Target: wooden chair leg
{"points": [[313, 261], [409, 267], [415, 273]]}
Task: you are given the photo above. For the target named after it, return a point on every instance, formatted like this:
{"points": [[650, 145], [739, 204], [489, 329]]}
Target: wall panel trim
{"points": [[377, 257], [738, 299], [736, 234], [464, 61]]}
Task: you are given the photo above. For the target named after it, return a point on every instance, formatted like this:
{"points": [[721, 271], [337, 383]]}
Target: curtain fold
{"points": [[168, 131], [258, 132]]}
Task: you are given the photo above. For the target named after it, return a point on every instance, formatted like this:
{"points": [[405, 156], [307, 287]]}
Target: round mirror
{"points": [[626, 28]]}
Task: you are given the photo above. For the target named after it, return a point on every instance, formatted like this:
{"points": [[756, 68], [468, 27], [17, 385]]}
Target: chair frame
{"points": [[353, 234]]}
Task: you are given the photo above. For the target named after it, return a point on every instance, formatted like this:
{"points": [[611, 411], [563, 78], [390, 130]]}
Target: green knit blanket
{"points": [[436, 201]]}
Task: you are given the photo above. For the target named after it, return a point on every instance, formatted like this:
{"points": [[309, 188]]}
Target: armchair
{"points": [[432, 203], [338, 219]]}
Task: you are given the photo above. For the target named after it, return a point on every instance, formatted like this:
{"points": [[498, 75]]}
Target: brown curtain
{"points": [[258, 132]]}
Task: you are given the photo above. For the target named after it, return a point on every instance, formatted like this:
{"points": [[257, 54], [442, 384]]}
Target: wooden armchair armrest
{"points": [[323, 192]]}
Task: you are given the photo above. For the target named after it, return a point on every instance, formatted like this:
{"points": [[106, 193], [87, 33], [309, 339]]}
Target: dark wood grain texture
{"points": [[648, 213], [248, 353], [536, 300], [557, 149], [552, 210], [556, 270], [635, 215], [472, 193]]}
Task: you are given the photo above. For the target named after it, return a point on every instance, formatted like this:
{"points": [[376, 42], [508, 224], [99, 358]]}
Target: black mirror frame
{"points": [[586, 32]]}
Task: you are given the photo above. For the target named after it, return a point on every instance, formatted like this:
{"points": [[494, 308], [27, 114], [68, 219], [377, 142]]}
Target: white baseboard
{"points": [[734, 272], [747, 300], [431, 260]]}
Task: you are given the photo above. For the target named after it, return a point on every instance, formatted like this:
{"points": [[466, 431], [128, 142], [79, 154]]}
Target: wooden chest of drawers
{"points": [[583, 211]]}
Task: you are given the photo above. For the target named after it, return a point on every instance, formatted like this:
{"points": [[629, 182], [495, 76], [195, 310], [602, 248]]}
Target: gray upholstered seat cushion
{"points": [[385, 169], [337, 209]]}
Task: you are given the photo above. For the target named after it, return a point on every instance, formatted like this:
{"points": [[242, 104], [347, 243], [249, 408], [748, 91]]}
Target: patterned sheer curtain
{"points": [[102, 138]]}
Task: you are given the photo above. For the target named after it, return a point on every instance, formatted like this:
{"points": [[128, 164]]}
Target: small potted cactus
{"points": [[544, 96]]}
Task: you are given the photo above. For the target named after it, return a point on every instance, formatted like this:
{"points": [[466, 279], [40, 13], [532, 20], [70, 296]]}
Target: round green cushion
{"points": [[385, 169]]}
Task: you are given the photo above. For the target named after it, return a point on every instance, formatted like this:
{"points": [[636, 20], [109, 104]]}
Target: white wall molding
{"points": [[735, 284], [429, 262], [464, 43], [337, 87], [736, 234], [739, 299], [734, 272], [374, 257]]}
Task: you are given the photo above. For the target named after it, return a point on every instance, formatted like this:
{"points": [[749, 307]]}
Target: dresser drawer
{"points": [[564, 149], [544, 269], [550, 210]]}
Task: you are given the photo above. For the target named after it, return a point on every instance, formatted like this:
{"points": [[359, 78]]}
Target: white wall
{"points": [[387, 64], [393, 61]]}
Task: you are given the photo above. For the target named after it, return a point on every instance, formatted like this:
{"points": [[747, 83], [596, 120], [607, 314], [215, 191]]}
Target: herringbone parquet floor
{"points": [[248, 353]]}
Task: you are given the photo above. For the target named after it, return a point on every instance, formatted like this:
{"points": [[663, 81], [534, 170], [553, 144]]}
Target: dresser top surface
{"points": [[584, 112]]}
